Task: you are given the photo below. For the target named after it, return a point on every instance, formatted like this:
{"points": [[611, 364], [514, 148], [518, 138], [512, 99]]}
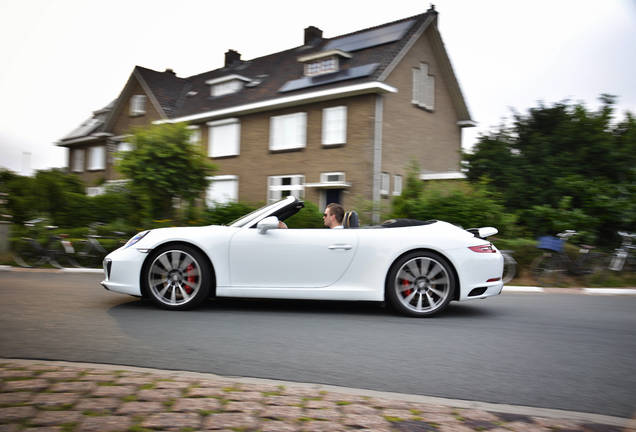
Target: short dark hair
{"points": [[337, 210]]}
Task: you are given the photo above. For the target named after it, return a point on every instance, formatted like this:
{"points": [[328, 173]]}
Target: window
{"points": [[423, 88], [227, 87], [224, 138], [288, 131], [137, 105], [279, 187], [384, 183], [329, 64], [334, 125], [124, 147], [222, 190], [78, 160], [397, 185], [195, 135], [332, 177], [96, 158]]}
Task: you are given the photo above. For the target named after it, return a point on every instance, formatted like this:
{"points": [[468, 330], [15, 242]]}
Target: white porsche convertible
{"points": [[417, 266]]}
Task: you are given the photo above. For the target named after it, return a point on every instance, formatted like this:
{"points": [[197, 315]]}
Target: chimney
{"points": [[312, 34], [170, 71], [232, 57]]}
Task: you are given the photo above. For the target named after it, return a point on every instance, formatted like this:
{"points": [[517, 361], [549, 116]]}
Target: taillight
{"points": [[487, 248]]}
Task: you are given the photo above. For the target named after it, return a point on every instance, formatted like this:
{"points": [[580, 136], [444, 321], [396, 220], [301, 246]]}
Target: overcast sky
{"points": [[61, 60]]}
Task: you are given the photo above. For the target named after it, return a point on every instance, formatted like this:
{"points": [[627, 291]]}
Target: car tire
{"points": [[177, 277], [421, 284]]}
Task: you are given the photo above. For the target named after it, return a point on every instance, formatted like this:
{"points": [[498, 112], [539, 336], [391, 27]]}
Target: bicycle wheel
{"points": [[548, 269], [510, 268], [27, 255]]}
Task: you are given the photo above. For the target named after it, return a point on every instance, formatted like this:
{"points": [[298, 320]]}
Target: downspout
{"points": [[377, 157]]}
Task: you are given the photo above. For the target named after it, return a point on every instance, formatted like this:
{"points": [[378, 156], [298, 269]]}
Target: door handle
{"points": [[340, 246]]}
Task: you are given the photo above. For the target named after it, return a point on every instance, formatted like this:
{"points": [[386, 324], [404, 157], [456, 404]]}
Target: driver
{"points": [[333, 215]]}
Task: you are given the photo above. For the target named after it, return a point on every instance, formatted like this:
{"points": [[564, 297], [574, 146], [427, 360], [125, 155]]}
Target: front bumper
{"points": [[122, 271]]}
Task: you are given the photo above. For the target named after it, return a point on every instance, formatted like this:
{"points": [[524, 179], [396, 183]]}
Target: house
{"points": [[332, 120]]}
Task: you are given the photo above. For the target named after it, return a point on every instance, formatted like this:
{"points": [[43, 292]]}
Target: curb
{"points": [[474, 408], [51, 270]]}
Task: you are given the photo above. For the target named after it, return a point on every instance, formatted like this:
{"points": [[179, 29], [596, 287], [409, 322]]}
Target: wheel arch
{"points": [[146, 263], [450, 263]]}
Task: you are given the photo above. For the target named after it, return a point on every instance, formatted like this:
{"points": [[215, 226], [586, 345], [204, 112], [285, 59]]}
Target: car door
{"points": [[286, 258]]}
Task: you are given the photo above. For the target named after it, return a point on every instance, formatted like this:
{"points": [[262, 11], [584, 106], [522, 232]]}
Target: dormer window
{"points": [[323, 66], [227, 85], [323, 62]]}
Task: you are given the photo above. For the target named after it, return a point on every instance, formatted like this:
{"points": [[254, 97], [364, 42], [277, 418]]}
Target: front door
{"points": [[333, 196], [290, 258]]}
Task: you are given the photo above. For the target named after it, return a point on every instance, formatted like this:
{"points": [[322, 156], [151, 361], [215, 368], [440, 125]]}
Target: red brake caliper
{"points": [[191, 279], [408, 291]]}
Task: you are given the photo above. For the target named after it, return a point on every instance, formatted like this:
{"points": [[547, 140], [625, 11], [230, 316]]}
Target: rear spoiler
{"points": [[483, 232]]}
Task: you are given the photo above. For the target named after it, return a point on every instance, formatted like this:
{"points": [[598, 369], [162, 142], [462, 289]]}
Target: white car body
{"points": [[318, 264]]}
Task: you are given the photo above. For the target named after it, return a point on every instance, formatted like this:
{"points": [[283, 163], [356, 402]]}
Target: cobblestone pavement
{"points": [[61, 396]]}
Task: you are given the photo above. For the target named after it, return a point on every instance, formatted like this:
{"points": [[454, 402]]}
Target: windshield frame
{"points": [[252, 218]]}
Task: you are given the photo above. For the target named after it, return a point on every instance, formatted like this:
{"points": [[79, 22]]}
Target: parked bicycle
{"points": [[57, 251], [550, 268], [90, 252], [510, 266], [623, 258]]}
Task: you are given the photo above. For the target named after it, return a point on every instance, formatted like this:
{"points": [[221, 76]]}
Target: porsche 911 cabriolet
{"points": [[418, 267]]}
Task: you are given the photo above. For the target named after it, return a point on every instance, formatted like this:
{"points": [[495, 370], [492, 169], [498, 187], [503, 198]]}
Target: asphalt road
{"points": [[562, 351]]}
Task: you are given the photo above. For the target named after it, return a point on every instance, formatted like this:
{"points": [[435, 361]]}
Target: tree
{"points": [[562, 164], [164, 165]]}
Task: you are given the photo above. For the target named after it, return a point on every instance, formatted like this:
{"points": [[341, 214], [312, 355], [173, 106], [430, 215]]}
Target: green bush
{"points": [[223, 214], [461, 204], [309, 216]]}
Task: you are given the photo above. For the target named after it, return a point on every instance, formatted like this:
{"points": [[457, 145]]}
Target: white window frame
{"points": [[276, 190], [96, 158], [423, 88], [287, 132], [229, 180], [137, 105], [334, 125], [385, 179], [397, 185], [224, 138], [79, 155]]}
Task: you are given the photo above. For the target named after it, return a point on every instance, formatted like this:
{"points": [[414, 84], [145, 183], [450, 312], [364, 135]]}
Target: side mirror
{"points": [[268, 223]]}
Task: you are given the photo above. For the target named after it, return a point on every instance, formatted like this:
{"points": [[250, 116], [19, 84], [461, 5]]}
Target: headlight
{"points": [[136, 238]]}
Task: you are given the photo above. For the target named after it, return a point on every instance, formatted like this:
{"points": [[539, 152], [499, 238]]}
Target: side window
{"points": [[137, 105], [423, 88]]}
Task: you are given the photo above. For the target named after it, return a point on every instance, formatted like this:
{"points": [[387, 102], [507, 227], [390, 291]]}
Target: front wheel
{"points": [[177, 277], [420, 284]]}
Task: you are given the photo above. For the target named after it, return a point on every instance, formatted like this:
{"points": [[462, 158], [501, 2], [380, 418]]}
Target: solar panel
{"points": [[370, 38], [347, 74]]}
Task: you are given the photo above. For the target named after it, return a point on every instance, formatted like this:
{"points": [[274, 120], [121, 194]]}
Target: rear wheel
{"points": [[420, 284], [177, 277]]}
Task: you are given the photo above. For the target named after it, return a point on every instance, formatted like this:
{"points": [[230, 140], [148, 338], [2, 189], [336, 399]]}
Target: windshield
{"points": [[262, 212]]}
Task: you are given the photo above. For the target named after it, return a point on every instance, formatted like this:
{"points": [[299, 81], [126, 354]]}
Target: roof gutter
{"points": [[339, 92]]}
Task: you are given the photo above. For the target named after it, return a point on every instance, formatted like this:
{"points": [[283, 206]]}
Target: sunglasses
{"points": [[325, 214]]}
